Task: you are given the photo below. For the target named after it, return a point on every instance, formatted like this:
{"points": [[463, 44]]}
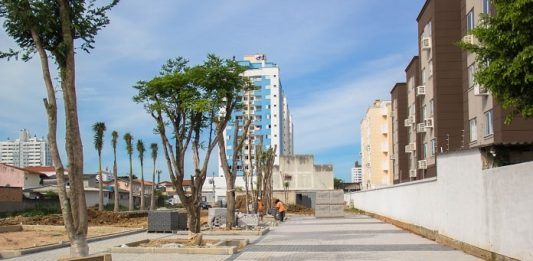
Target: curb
{"points": [[5, 254]]}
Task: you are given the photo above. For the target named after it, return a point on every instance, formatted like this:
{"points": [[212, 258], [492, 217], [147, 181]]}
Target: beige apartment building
{"points": [[375, 145]]}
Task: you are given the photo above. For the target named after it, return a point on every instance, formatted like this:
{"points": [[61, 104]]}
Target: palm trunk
{"points": [[142, 186], [116, 207], [100, 186], [152, 197], [130, 205]]}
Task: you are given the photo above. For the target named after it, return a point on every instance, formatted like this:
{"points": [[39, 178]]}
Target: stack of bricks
{"points": [[166, 221]]}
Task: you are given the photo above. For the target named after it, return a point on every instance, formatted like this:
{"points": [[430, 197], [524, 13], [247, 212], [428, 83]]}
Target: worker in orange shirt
{"points": [[281, 209], [260, 208]]}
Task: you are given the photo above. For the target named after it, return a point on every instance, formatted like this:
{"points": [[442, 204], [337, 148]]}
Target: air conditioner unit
{"points": [[422, 164], [412, 173], [425, 43], [393, 156], [407, 122], [421, 127], [480, 90], [428, 122], [420, 90], [410, 147], [412, 119], [468, 39]]}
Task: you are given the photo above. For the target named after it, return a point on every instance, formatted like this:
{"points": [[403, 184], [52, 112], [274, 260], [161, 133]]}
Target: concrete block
{"points": [[322, 211], [11, 228], [336, 197], [166, 221], [248, 220], [216, 217], [103, 257], [322, 197], [336, 210]]}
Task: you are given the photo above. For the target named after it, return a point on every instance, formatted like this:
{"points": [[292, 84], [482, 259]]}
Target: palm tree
{"points": [[153, 146], [114, 139], [99, 129], [129, 148], [141, 150]]}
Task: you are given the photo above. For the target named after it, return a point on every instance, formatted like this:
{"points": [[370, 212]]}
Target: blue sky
{"points": [[335, 57]]}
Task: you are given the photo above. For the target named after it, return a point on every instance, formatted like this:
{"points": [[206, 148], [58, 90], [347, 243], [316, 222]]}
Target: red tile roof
{"points": [[27, 170]]}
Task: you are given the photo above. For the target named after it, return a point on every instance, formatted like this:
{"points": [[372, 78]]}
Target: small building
{"points": [[11, 176], [297, 177]]}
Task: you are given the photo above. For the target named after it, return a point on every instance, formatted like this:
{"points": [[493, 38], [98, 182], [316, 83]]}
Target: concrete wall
{"points": [[301, 173], [490, 209]]}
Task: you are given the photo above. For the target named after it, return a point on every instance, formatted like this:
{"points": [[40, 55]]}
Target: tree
{"points": [[141, 150], [129, 148], [230, 172], [505, 55], [195, 103], [114, 140], [338, 183], [154, 148], [99, 129], [50, 28]]}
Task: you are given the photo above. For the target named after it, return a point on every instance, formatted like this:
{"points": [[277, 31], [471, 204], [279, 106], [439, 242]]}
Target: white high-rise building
{"points": [[268, 107], [25, 151], [357, 173]]}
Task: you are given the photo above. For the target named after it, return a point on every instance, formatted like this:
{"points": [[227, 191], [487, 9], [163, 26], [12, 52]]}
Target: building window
{"points": [[471, 72], [473, 130], [489, 130], [424, 75], [424, 112], [425, 151], [433, 146], [486, 6], [470, 21], [430, 68], [428, 28]]}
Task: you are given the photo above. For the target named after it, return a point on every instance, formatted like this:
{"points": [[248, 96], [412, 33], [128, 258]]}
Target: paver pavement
{"points": [[354, 237]]}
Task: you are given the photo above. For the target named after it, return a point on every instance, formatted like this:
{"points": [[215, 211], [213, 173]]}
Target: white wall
{"points": [[491, 209]]}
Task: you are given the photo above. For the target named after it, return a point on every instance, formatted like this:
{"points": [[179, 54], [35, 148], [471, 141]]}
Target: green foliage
{"points": [[141, 150], [338, 183], [114, 139], [99, 129], [505, 55], [129, 143], [21, 17], [50, 195], [154, 149], [38, 211], [110, 207]]}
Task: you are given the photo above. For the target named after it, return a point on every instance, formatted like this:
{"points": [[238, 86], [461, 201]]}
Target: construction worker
{"points": [[281, 209], [260, 208]]}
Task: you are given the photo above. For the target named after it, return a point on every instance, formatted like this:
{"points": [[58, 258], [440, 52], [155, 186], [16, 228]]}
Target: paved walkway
{"points": [[354, 237]]}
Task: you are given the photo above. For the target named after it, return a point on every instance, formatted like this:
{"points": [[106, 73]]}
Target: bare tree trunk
{"points": [[74, 147]]}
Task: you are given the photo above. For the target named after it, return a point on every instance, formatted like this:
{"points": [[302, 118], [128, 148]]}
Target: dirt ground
{"points": [[40, 235], [49, 229], [96, 218]]}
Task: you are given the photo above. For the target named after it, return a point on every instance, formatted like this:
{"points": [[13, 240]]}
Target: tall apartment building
{"points": [[25, 151], [375, 140], [357, 173], [483, 117], [267, 105], [446, 110], [434, 120], [399, 133]]}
